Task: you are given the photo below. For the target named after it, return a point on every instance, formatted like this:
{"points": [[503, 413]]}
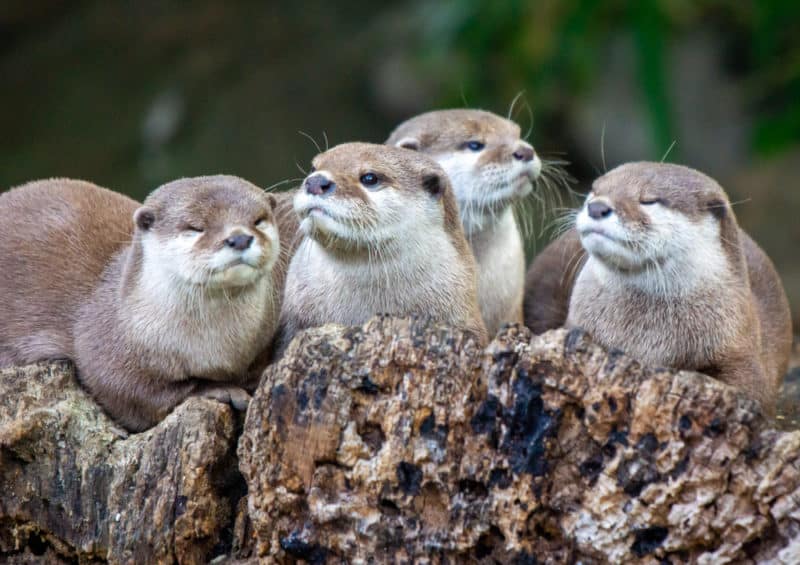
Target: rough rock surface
{"points": [[72, 489], [405, 441]]}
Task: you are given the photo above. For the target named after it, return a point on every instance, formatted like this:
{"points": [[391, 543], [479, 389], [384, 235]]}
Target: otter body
{"points": [[153, 303], [380, 234], [669, 277], [491, 168]]}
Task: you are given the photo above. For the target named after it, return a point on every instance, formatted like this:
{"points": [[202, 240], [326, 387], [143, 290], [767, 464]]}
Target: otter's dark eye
{"points": [[475, 145], [650, 201], [370, 180], [261, 219], [189, 227]]}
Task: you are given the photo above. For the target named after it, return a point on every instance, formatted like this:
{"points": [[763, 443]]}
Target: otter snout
{"points": [[598, 210], [319, 185], [524, 152], [239, 242]]}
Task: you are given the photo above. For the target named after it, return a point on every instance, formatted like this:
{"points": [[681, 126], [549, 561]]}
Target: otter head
{"points": [[215, 232], [360, 196], [654, 218], [488, 163]]}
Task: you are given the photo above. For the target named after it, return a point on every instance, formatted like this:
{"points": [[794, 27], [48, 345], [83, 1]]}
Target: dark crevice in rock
{"points": [[647, 540]]}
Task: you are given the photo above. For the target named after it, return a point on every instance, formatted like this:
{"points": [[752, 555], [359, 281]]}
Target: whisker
{"points": [[314, 141], [671, 145], [514, 103]]}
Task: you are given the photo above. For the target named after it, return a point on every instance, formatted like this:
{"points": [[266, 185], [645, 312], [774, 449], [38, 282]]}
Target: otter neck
{"points": [[484, 222], [672, 277]]}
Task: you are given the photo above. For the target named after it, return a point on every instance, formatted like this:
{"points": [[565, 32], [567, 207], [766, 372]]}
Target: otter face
{"points": [[362, 196], [643, 215], [488, 164], [216, 232]]}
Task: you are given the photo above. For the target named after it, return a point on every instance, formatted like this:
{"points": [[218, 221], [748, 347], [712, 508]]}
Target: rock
{"points": [[403, 441], [75, 490]]}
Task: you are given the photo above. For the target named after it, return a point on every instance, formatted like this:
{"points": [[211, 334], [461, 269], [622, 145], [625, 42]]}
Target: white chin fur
{"points": [[177, 259], [673, 256], [319, 216], [606, 240], [484, 193]]}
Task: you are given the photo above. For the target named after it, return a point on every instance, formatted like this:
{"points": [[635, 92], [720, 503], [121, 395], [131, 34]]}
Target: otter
{"points": [[153, 303], [669, 277], [491, 168], [380, 235]]}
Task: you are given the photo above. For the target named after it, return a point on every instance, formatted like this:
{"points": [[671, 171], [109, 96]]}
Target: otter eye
{"points": [[650, 201], [370, 180], [191, 228], [261, 220], [474, 145]]}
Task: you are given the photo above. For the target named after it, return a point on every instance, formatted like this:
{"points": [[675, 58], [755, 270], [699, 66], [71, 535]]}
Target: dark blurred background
{"points": [[131, 94]]}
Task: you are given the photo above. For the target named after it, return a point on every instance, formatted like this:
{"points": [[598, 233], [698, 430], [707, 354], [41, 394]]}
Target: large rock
{"points": [[73, 489], [404, 441]]}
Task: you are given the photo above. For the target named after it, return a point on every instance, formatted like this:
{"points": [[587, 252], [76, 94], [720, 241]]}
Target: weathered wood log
{"points": [[404, 441], [72, 489]]}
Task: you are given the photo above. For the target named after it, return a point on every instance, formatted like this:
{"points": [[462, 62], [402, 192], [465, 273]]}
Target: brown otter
{"points": [[491, 168], [153, 302], [670, 278], [381, 234]]}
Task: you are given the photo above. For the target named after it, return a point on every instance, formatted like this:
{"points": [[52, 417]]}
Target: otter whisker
{"points": [[309, 137], [510, 114], [669, 149]]}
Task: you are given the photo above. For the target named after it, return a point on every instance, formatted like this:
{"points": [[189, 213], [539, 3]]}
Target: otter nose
{"points": [[319, 185], [599, 210], [524, 153], [239, 242]]}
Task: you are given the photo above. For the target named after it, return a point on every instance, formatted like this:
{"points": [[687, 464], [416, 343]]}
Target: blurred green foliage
{"points": [[551, 48]]}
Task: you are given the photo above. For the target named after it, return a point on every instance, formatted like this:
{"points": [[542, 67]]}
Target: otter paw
{"points": [[235, 396]]}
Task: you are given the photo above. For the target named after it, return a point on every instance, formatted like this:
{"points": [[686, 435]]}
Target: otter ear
{"points": [[271, 200], [144, 218], [408, 143], [433, 184], [717, 208]]}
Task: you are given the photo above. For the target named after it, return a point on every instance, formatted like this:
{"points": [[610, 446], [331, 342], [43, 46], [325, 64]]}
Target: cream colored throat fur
{"points": [[682, 274], [213, 330], [500, 258], [417, 273]]}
